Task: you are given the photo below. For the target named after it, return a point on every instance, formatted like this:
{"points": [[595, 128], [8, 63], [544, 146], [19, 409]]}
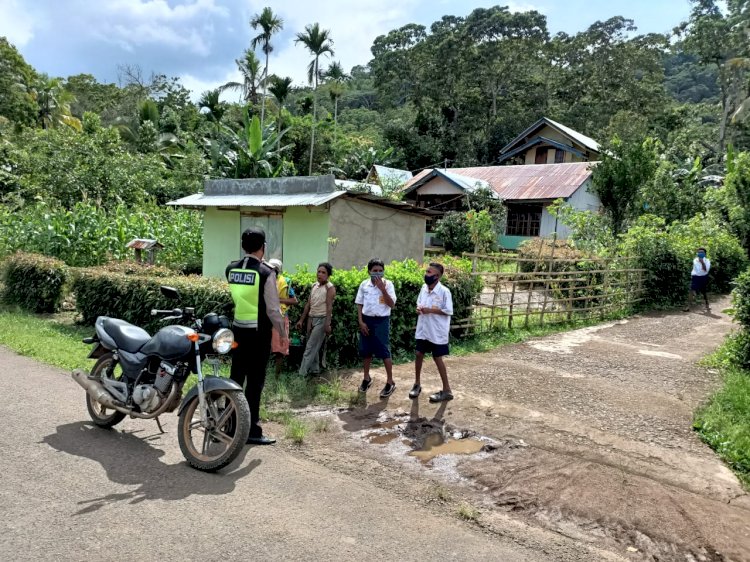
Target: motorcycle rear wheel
{"points": [[210, 449], [101, 415]]}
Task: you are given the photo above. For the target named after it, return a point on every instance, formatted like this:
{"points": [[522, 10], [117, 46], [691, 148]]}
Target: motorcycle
{"points": [[141, 376]]}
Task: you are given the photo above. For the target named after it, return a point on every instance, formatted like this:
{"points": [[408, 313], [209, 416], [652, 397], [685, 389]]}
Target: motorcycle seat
{"points": [[127, 336]]}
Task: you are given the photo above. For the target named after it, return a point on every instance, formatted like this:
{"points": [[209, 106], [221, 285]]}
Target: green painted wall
{"points": [[305, 237], [221, 240], [512, 242]]}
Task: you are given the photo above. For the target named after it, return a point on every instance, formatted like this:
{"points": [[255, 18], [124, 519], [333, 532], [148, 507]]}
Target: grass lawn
{"points": [[724, 422]]}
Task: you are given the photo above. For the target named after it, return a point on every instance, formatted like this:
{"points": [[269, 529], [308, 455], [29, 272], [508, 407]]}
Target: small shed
{"points": [[145, 244], [307, 220]]}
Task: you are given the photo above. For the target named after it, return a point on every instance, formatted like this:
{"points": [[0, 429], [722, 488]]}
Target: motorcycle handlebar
{"points": [[173, 312]]}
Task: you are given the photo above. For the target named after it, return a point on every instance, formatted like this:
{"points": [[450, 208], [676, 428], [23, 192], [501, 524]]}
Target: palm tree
{"points": [[249, 67], [269, 24], [318, 42], [280, 89], [53, 103], [336, 77]]}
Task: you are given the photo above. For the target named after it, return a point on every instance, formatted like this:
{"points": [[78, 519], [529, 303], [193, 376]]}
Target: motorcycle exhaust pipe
{"points": [[96, 390]]}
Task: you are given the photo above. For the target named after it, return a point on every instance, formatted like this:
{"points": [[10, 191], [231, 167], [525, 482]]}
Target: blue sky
{"points": [[198, 40]]}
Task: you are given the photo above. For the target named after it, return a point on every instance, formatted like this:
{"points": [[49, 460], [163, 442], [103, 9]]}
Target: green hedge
{"points": [[33, 282], [131, 296], [100, 292]]}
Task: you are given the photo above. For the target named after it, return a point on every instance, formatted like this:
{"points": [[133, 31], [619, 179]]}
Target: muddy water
{"points": [[435, 445], [381, 438]]}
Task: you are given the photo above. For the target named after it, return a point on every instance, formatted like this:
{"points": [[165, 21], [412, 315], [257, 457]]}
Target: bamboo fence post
{"points": [[531, 285], [547, 278], [512, 296]]}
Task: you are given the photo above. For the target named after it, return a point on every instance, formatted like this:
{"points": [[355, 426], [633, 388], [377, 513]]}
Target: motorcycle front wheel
{"points": [[100, 414], [214, 447]]}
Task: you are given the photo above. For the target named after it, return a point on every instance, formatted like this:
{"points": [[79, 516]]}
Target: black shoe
{"points": [[415, 391], [366, 383], [441, 396], [262, 440], [387, 390]]}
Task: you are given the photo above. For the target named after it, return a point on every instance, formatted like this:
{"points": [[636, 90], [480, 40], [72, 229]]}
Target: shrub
{"points": [[453, 230], [100, 292], [407, 278], [741, 299], [667, 252], [34, 282]]}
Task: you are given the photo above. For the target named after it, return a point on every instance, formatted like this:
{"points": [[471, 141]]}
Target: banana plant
{"points": [[259, 153]]}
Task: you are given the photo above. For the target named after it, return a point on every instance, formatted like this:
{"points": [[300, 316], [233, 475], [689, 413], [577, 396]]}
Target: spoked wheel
{"points": [[214, 447], [101, 415]]}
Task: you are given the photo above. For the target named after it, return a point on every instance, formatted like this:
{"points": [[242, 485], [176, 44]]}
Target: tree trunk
{"points": [[263, 101], [725, 106], [315, 111]]}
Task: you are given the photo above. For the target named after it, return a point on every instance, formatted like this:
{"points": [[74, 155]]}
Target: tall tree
{"points": [[268, 23], [280, 89], [16, 79], [318, 42], [719, 38], [249, 67], [53, 103], [336, 78]]}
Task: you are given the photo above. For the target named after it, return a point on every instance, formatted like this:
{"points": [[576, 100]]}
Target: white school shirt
{"points": [[435, 328], [372, 300], [698, 269]]}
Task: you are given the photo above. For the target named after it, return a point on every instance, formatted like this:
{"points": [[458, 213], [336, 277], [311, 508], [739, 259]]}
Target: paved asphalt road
{"points": [[71, 491]]}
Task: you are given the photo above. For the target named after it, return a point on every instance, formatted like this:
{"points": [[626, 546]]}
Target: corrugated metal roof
{"points": [[359, 185], [392, 174], [278, 200], [531, 182], [588, 142], [581, 139]]}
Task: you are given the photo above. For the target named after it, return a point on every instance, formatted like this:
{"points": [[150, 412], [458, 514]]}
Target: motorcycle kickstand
{"points": [[158, 423]]}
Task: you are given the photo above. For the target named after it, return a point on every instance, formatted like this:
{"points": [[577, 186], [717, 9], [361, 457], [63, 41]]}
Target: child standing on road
{"points": [[699, 279], [375, 299], [434, 310]]}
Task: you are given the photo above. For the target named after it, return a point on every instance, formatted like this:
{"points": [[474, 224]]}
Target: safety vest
{"points": [[245, 286]]}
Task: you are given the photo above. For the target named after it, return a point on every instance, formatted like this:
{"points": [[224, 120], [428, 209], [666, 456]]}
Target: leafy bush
{"points": [[453, 230], [407, 278], [34, 282], [741, 299], [667, 252], [100, 292]]}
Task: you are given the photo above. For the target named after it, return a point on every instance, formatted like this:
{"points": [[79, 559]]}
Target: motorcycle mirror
{"points": [[170, 292]]}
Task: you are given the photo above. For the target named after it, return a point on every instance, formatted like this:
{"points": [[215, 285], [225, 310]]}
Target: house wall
{"points": [[305, 237], [439, 186], [550, 133], [221, 240], [364, 231]]}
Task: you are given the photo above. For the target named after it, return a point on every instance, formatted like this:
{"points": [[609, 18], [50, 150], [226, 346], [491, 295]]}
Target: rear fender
{"points": [[98, 351], [209, 384]]}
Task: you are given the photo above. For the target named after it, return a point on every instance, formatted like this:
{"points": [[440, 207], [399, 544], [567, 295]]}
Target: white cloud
{"points": [[131, 24], [198, 85], [353, 26], [16, 22]]}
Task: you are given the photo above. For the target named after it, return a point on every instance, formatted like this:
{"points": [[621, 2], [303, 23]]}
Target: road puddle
{"points": [[386, 424], [381, 438], [435, 445]]}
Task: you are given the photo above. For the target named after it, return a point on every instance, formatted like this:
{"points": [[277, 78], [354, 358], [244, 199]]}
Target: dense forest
{"points": [[671, 107]]}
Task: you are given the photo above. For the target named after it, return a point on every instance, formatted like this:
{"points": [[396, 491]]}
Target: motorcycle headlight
{"points": [[223, 340]]}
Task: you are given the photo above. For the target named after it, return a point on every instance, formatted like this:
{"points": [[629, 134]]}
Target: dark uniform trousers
{"points": [[249, 362]]}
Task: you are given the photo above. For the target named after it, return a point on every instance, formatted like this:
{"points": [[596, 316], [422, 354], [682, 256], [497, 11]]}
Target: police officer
{"points": [[256, 310]]}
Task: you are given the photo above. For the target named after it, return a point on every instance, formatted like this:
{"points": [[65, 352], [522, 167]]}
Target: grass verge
{"points": [[724, 422]]}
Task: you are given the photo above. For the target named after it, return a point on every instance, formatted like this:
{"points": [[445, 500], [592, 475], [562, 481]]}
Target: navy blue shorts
{"points": [[699, 283], [378, 343], [437, 349]]}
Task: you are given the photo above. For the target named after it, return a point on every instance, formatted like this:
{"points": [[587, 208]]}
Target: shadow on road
{"points": [[131, 460]]}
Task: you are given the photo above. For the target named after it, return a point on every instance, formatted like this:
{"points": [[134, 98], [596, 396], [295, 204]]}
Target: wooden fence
{"points": [[534, 291]]}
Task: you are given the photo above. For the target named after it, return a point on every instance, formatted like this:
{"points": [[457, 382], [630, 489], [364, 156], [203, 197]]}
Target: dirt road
{"points": [[74, 492], [589, 434]]}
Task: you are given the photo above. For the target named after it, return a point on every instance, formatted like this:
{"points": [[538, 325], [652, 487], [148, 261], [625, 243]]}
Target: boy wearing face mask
{"points": [[699, 279], [375, 299], [434, 309]]}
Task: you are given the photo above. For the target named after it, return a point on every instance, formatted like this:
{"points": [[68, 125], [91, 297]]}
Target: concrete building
{"points": [[307, 221]]}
